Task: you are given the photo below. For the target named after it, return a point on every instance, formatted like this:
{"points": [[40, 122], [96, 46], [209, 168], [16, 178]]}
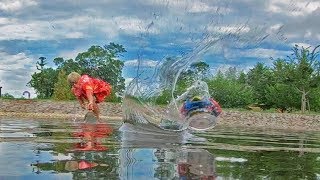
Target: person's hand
{"points": [[83, 106], [90, 106]]}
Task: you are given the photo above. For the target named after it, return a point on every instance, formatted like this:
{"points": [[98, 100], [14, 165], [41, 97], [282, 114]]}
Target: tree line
{"points": [[98, 61], [290, 83]]}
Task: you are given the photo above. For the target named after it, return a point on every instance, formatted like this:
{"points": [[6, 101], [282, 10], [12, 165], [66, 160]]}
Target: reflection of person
{"points": [[90, 90], [197, 163], [80, 165], [197, 104], [90, 135]]}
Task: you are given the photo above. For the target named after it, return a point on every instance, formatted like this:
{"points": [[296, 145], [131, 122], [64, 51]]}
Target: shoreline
{"points": [[49, 109]]}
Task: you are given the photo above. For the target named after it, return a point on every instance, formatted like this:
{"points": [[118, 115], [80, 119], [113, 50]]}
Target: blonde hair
{"points": [[73, 77], [71, 165]]}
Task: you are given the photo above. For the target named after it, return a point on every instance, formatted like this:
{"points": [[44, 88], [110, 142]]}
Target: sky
{"points": [[240, 32]]}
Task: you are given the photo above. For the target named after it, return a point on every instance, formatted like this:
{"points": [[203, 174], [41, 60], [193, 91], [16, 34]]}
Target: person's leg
{"points": [[96, 110]]}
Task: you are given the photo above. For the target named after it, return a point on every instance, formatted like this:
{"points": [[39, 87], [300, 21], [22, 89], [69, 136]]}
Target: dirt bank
{"points": [[68, 109]]}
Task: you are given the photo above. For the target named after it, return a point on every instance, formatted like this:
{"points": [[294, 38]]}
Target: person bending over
{"points": [[89, 91]]}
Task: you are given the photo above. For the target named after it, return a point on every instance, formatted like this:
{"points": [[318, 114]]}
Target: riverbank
{"points": [[47, 109]]}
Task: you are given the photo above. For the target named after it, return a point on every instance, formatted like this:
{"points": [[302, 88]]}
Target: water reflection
{"points": [[91, 135], [148, 152], [161, 154], [87, 157]]}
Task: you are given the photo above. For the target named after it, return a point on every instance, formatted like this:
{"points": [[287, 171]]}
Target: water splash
{"points": [[139, 103]]}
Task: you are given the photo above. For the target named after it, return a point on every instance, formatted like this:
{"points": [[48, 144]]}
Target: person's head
{"points": [[71, 165], [73, 78]]}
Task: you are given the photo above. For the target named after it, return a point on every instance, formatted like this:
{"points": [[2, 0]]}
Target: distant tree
{"points": [[62, 89], [305, 72], [7, 96], [242, 78], [41, 63], [301, 71], [196, 71], [229, 92], [259, 78], [99, 62], [43, 81]]}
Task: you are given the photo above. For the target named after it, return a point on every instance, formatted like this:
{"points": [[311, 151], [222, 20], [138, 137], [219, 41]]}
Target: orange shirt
{"points": [[100, 88]]}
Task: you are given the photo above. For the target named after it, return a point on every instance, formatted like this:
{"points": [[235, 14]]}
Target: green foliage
{"points": [[97, 61], [62, 89], [282, 96], [301, 72], [259, 78], [196, 71], [7, 96], [314, 99], [164, 98], [43, 81], [229, 92]]}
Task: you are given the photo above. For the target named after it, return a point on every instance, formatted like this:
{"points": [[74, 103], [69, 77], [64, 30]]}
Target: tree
{"points": [[259, 78], [7, 96], [62, 88], [196, 71], [301, 71], [102, 62], [229, 92], [99, 62], [282, 96], [43, 81]]}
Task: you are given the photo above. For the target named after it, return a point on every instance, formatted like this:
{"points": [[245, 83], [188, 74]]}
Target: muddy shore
{"points": [[46, 109]]}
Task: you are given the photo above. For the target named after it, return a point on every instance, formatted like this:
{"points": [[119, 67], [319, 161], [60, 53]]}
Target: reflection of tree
{"points": [[165, 169], [271, 164], [84, 164], [186, 163]]}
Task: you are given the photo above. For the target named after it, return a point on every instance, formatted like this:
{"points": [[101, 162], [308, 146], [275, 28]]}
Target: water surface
{"points": [[54, 149]]}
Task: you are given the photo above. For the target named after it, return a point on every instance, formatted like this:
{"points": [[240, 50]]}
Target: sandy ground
{"points": [[46, 109]]}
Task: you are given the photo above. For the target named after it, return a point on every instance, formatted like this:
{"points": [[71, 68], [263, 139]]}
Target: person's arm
{"points": [[81, 102], [89, 93]]}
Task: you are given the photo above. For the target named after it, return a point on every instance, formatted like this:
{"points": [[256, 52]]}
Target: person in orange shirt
{"points": [[89, 90]]}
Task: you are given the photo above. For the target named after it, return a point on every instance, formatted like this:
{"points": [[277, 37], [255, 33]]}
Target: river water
{"points": [[61, 149]]}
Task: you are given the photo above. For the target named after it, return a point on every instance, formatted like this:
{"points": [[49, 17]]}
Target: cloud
{"points": [[75, 27], [293, 8], [156, 29], [15, 72], [305, 45], [231, 29], [263, 53], [16, 5], [141, 63], [127, 81]]}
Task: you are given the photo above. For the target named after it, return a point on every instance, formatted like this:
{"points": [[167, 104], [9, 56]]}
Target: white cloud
{"points": [[15, 72], [142, 63], [200, 7], [72, 54], [293, 8], [72, 28], [263, 53], [191, 6], [305, 45], [127, 81], [134, 25], [229, 29], [16, 5]]}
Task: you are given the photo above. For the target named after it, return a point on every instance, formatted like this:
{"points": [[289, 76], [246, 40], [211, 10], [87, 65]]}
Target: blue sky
{"points": [[244, 32]]}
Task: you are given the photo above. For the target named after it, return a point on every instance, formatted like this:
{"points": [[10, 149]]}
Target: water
{"points": [[54, 149]]}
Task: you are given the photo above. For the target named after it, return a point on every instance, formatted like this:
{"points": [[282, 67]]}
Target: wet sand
{"points": [[48, 109]]}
